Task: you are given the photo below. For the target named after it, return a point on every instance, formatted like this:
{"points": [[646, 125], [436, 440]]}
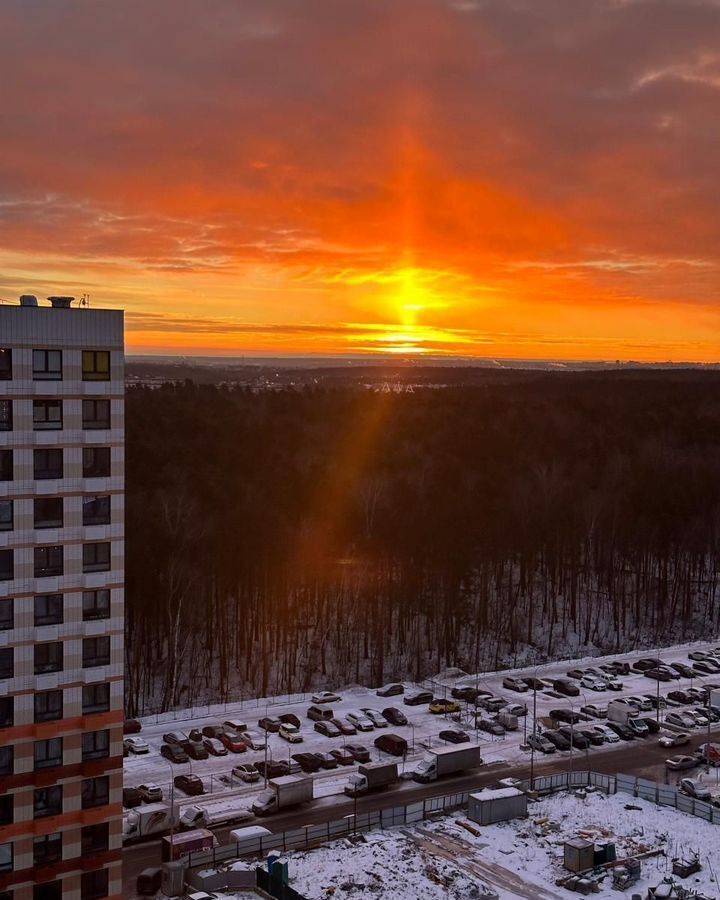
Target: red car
{"points": [[232, 742], [132, 726]]}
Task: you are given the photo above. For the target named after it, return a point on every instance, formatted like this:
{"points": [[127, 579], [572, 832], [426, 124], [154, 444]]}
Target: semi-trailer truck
{"points": [[438, 763], [287, 790], [371, 777], [177, 846], [627, 714]]}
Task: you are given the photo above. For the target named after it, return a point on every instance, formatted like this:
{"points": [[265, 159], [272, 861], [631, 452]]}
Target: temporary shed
{"points": [[579, 854], [500, 805]]}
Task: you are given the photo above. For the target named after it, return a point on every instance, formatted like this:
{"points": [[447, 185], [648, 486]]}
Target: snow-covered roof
{"points": [[497, 794]]}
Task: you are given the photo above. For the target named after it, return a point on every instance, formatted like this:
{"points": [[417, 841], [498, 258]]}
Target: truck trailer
{"points": [[627, 714], [180, 845], [438, 763], [371, 777], [287, 790], [158, 818]]}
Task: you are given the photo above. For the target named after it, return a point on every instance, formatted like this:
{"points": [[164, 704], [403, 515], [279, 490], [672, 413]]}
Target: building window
{"points": [[96, 557], [48, 706], [5, 364], [95, 838], [48, 512], [7, 565], [7, 662], [6, 858], [95, 414], [48, 753], [47, 415], [48, 801], [6, 465], [48, 561], [7, 613], [96, 510], [6, 515], [95, 698], [48, 657], [48, 609], [7, 760], [96, 462], [6, 418], [47, 365], [96, 605], [47, 849], [7, 809], [94, 885], [96, 652], [7, 712], [95, 744], [49, 890], [96, 365], [95, 792], [48, 463]]}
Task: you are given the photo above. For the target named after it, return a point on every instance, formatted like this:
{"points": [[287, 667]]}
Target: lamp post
{"points": [[532, 749], [172, 804]]}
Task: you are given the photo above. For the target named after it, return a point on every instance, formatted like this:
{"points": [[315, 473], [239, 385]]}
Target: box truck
{"points": [[177, 846], [371, 777], [508, 720], [288, 790], [627, 714], [438, 763], [157, 818]]}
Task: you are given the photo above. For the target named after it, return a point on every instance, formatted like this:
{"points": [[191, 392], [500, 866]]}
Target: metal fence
{"points": [[667, 795], [565, 781], [215, 710]]}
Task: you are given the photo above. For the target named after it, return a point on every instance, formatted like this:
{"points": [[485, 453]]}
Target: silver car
{"points": [[376, 717]]}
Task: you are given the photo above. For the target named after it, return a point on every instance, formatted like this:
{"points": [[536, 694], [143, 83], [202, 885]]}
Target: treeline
{"points": [[282, 540]]}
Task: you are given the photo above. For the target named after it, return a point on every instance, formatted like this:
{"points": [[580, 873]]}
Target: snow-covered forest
{"points": [[278, 541]]}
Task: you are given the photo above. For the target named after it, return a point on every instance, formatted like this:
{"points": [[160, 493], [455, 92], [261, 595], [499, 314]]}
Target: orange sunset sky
{"points": [[495, 178]]}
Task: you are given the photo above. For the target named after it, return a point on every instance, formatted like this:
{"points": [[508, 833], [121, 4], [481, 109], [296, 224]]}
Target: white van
{"points": [[250, 831]]}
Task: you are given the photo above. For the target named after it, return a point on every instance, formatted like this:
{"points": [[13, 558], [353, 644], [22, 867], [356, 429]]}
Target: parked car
{"points": [[606, 733], [392, 744], [343, 756], [273, 768], [254, 740], [534, 683], [375, 716], [541, 743], [131, 797], [196, 735], [697, 655], [565, 686], [359, 720], [270, 723], [326, 760], [648, 662], [656, 702], [189, 784], [674, 740], [616, 668], [614, 684], [642, 703], [308, 762], [136, 745], [216, 730], [516, 709], [390, 690], [683, 669], [680, 720], [150, 792], [442, 705], [698, 695], [176, 737], [622, 731], [558, 740], [195, 751], [214, 747], [291, 733], [468, 694], [653, 726], [566, 715], [693, 787], [492, 704], [344, 726], [418, 698], [575, 736], [246, 773], [681, 761], [360, 753], [577, 674], [132, 726], [290, 719], [395, 716], [327, 728], [706, 666], [236, 725], [710, 712], [490, 725], [595, 738], [701, 720], [512, 683], [597, 712], [317, 713], [678, 698], [325, 697], [453, 736], [593, 683], [232, 741], [174, 753]]}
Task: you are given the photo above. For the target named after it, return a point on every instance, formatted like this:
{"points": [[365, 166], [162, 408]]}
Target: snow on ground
{"points": [[523, 858]]}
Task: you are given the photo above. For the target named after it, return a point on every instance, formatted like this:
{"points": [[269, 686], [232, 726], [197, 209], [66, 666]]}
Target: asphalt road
{"points": [[644, 759]]}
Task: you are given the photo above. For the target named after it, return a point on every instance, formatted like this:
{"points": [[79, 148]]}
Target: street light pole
{"points": [[532, 749]]}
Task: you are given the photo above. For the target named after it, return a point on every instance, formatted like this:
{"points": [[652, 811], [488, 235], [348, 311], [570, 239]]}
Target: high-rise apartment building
{"points": [[61, 601]]}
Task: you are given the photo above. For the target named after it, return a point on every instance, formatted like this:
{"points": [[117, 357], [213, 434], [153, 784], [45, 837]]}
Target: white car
{"points": [[593, 683], [151, 793], [376, 717], [136, 745], [607, 733], [290, 732], [326, 697], [614, 684], [360, 720], [674, 740], [698, 716], [681, 720], [254, 740]]}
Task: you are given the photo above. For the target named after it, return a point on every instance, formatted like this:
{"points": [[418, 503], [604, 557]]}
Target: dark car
{"points": [[196, 735], [575, 737], [344, 726], [418, 698], [534, 683], [617, 668], [176, 737], [642, 665], [274, 768], [308, 762], [270, 723], [683, 669], [189, 784], [566, 715], [392, 744], [360, 753], [394, 716], [576, 673], [704, 667], [661, 674], [622, 731], [390, 690], [290, 719], [195, 751], [563, 686], [131, 798], [320, 713], [594, 737], [343, 756], [557, 739], [679, 697], [490, 725], [655, 701], [174, 752], [326, 760], [213, 730], [468, 694], [653, 725], [132, 726], [327, 728], [454, 736]]}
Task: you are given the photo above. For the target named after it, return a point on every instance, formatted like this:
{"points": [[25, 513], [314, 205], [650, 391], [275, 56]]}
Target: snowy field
{"points": [[455, 859], [421, 732]]}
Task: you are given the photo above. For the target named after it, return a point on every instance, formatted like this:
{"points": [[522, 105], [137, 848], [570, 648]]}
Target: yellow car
{"points": [[444, 706]]}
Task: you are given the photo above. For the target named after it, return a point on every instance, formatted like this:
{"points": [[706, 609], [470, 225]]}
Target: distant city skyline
{"points": [[472, 178]]}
